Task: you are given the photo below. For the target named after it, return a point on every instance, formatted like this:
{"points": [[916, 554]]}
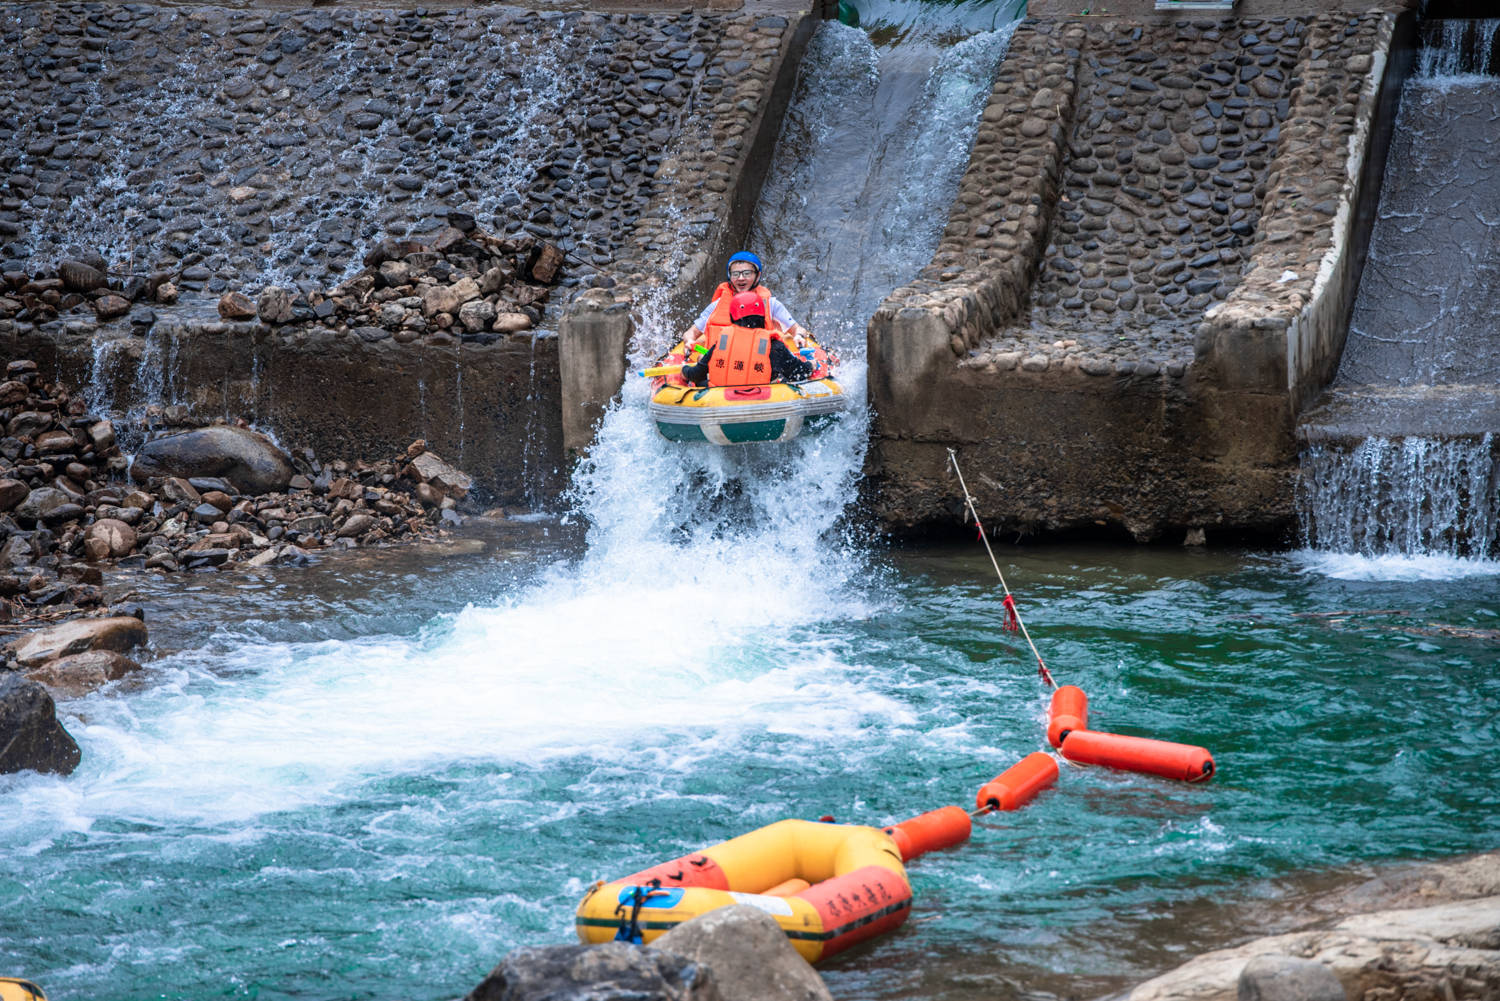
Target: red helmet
{"points": [[745, 305]]}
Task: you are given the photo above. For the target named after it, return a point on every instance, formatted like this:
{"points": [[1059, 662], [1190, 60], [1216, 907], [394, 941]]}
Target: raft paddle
{"points": [[652, 373]]}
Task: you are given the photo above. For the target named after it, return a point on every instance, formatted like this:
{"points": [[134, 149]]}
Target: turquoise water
{"points": [[298, 803], [372, 777]]}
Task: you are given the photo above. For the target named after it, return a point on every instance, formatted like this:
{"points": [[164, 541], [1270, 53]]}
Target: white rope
{"points": [[1011, 604]]}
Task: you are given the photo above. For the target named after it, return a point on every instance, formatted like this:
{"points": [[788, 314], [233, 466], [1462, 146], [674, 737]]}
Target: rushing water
{"points": [[374, 776], [1423, 477]]}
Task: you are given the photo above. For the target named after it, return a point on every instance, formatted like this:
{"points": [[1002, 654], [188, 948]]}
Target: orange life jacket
{"points": [[741, 355]]}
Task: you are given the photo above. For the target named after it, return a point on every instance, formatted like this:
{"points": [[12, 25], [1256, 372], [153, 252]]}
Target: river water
{"points": [[374, 776]]}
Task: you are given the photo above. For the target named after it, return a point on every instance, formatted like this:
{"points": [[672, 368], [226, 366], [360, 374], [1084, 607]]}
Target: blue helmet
{"points": [[748, 258]]}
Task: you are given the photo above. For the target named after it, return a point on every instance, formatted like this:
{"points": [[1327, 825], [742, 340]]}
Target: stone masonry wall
{"points": [[1070, 345], [235, 146], [709, 183], [217, 148]]}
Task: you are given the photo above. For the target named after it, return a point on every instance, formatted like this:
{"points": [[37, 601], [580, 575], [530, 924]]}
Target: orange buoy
{"points": [[941, 828], [1018, 784], [1069, 712], [1139, 754]]}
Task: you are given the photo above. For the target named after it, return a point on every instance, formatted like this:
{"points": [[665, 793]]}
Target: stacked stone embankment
{"points": [[186, 153], [710, 181], [72, 504], [1110, 325]]}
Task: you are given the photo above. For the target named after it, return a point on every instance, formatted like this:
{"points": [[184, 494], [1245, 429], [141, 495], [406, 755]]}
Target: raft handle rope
{"points": [[630, 928], [1013, 621]]}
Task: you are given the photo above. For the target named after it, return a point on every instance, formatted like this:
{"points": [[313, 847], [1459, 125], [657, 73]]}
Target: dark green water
{"points": [[327, 794]]}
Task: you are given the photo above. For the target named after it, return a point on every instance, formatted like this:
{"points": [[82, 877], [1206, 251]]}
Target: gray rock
{"points": [[111, 307], [1284, 978], [80, 277], [313, 523], [357, 525], [31, 738], [41, 503], [102, 434], [118, 633], [610, 972], [275, 305], [250, 461], [750, 956], [15, 552], [448, 298], [429, 468]]}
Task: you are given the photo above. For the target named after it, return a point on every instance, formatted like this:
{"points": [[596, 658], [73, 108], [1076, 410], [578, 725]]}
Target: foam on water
{"points": [[1393, 566], [699, 643]]}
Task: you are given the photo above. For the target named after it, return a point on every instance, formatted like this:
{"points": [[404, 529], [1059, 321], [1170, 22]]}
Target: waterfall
{"points": [[870, 154], [1384, 496], [1455, 48], [1401, 461]]}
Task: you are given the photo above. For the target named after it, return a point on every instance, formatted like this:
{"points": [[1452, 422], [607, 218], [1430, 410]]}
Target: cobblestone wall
{"points": [[1147, 270], [231, 145], [1129, 179], [223, 148]]}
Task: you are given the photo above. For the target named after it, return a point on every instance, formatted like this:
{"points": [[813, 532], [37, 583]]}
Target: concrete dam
{"points": [[1143, 285]]}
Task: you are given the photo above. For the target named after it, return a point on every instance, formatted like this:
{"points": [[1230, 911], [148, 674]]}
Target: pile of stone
{"points": [[193, 500], [464, 280], [186, 520], [81, 286]]}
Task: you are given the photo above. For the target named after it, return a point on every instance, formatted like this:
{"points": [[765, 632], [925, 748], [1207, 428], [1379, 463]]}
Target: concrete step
{"points": [[1350, 413]]}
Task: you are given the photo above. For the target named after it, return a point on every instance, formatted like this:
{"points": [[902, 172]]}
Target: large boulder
{"points": [[81, 673], [751, 957], [613, 971], [249, 460], [118, 633], [1288, 978], [40, 504], [31, 738], [1410, 953]]}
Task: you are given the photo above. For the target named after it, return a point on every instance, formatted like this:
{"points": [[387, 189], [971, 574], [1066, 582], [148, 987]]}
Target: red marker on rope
{"points": [[1013, 621]]}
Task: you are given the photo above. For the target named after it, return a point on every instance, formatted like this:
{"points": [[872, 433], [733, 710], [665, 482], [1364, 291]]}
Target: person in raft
{"points": [[746, 352], [743, 273]]}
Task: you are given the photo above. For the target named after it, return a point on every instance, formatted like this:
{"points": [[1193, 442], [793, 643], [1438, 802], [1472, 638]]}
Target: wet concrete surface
{"points": [[1427, 313]]}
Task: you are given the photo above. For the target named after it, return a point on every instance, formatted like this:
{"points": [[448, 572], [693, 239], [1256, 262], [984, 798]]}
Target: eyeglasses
{"points": [[743, 273]]}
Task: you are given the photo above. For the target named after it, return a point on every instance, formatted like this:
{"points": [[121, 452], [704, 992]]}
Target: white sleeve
{"points": [[780, 314], [702, 322]]}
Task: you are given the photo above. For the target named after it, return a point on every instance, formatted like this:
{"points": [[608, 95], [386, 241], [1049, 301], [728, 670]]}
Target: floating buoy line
{"points": [[830, 886]]}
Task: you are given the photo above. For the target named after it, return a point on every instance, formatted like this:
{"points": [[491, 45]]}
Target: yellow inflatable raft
{"points": [[16, 989], [829, 886], [779, 411]]}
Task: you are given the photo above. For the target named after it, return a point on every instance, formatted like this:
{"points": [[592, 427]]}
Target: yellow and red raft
{"points": [[734, 415], [829, 886]]}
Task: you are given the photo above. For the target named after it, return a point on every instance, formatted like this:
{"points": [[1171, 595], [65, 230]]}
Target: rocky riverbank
{"points": [[1428, 932], [1413, 933], [196, 499]]}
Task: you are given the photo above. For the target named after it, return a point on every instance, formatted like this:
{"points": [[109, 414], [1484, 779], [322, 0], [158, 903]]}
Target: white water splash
{"points": [[692, 623], [1392, 566], [1401, 497], [1459, 48]]}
